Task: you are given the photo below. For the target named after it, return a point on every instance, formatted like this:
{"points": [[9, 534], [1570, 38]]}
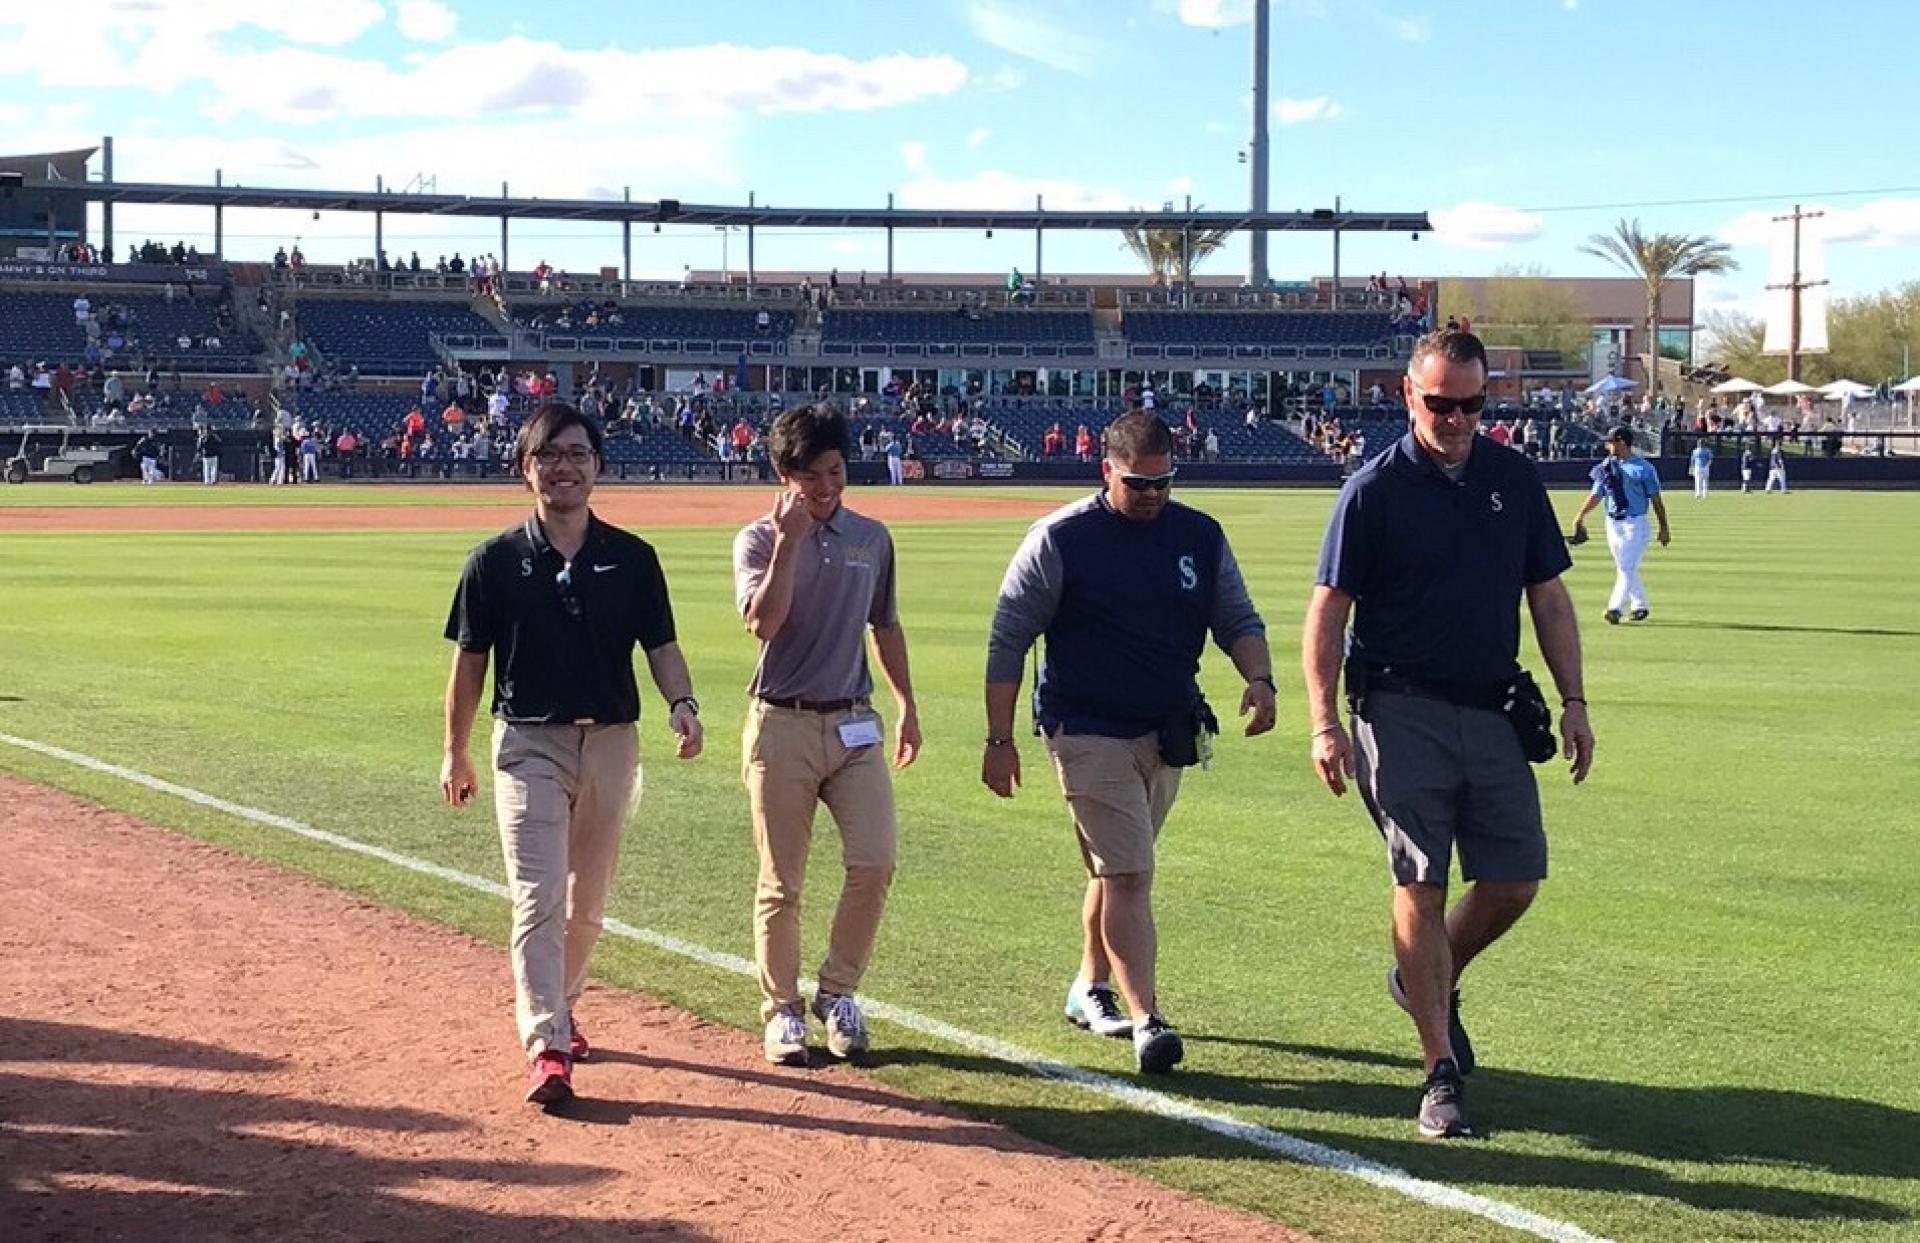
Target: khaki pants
{"points": [[793, 760], [562, 795]]}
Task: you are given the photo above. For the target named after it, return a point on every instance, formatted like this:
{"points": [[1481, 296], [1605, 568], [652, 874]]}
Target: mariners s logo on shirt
{"points": [[1189, 577]]}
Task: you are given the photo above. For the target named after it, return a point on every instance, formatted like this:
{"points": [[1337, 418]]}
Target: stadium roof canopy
{"points": [[671, 211]]}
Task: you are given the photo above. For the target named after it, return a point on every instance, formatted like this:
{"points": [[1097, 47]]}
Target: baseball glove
{"points": [[1578, 537]]}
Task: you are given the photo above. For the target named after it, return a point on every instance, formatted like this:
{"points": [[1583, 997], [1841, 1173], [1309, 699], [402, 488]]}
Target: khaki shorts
{"points": [[1119, 793]]}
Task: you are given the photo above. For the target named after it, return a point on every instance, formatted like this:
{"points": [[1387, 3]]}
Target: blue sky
{"points": [[1522, 125]]}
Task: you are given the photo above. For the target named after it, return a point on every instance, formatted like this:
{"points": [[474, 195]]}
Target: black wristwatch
{"points": [[688, 700]]}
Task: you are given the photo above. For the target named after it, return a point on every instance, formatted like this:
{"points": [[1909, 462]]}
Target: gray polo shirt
{"points": [[843, 582]]}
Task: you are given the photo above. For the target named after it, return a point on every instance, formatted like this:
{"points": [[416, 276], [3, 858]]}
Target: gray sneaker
{"points": [[846, 1026], [1443, 1104], [1156, 1046], [1095, 1009], [1456, 1030]]}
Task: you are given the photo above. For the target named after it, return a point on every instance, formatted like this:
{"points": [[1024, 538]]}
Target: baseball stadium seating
{"points": [[36, 326], [389, 338]]}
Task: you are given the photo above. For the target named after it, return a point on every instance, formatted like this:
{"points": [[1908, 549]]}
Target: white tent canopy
{"points": [[1909, 386], [1789, 388], [1609, 384], [1845, 388], [1736, 385]]}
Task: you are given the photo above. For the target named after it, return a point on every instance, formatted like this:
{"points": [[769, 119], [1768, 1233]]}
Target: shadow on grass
{"points": [[1622, 1126], [236, 1159], [1871, 632]]}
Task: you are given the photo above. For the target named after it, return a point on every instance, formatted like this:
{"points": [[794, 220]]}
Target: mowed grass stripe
{"points": [[1701, 1032]]}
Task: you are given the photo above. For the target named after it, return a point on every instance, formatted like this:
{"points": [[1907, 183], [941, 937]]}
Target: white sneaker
{"points": [[846, 1026], [1094, 1008], [786, 1042]]}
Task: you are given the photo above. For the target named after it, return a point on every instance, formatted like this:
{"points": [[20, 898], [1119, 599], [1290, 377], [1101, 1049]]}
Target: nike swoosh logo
{"points": [[602, 569]]}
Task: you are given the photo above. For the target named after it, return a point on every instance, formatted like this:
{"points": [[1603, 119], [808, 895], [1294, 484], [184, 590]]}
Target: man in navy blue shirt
{"points": [[1125, 586], [1431, 547], [1629, 487]]}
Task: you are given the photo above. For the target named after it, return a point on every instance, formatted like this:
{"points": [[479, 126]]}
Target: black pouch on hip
{"points": [[1526, 710], [1186, 738]]}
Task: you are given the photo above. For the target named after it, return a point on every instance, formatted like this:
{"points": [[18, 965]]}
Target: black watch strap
{"points": [[688, 700]]}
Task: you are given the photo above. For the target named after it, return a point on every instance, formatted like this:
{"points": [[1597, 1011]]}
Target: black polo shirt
{"points": [[562, 655], [1436, 567]]}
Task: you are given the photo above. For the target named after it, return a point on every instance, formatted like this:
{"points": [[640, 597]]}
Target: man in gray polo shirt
{"points": [[811, 579]]}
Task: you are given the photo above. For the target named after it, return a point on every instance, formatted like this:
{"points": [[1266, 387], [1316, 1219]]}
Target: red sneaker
{"points": [[577, 1047], [549, 1079]]}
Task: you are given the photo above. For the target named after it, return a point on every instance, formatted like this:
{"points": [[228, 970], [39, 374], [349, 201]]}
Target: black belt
{"points": [[812, 705], [1458, 696]]}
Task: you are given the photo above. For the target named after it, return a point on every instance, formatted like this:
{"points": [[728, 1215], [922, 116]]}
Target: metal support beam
{"points": [[749, 245], [1257, 155], [626, 240], [1039, 261], [219, 222], [106, 208], [379, 234], [889, 239], [504, 269]]}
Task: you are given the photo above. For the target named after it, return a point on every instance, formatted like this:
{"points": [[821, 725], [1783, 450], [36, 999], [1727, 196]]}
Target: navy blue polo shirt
{"points": [[1435, 567]]}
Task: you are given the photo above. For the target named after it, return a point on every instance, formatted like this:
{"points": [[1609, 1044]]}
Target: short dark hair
{"points": [[1621, 432], [803, 434], [546, 425], [1451, 344], [1136, 434]]}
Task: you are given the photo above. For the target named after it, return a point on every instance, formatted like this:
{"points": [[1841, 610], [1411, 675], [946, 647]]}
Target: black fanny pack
{"points": [[1520, 700], [1186, 738]]}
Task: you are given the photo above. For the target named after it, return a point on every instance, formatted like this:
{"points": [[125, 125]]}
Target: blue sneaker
{"points": [[1094, 1008]]}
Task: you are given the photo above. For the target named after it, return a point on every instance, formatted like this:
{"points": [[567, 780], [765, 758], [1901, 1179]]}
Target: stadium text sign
{"points": [[114, 273]]}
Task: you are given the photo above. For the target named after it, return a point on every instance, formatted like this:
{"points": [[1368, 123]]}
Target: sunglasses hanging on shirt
{"points": [[569, 603]]}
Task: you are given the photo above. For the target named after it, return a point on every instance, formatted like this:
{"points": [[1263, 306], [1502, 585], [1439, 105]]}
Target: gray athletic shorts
{"points": [[1434, 776]]}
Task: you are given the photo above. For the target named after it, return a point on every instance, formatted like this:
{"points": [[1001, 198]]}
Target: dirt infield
{"points": [[196, 1045], [636, 508]]}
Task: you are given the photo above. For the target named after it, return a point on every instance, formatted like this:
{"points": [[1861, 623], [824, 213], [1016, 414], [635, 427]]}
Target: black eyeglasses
{"points": [[573, 455], [569, 603], [1448, 405], [1149, 483]]}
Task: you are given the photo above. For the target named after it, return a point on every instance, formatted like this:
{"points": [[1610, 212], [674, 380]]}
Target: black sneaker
{"points": [[1613, 617], [1156, 1046], [1456, 1030], [1443, 1104], [1637, 615]]}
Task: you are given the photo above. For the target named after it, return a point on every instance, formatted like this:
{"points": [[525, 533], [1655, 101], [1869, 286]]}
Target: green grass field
{"points": [[1705, 1030]]}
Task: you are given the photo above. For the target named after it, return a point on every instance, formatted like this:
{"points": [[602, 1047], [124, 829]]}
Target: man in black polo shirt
{"points": [[559, 601], [1431, 546]]}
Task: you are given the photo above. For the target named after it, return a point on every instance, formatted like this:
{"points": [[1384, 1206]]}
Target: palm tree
{"points": [[1171, 254], [1657, 258]]}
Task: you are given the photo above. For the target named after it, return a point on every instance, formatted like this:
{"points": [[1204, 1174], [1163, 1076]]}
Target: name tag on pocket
{"points": [[860, 732]]}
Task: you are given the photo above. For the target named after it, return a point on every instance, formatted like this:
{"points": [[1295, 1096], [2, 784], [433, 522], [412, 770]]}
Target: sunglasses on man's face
{"points": [[1149, 483], [1449, 405]]}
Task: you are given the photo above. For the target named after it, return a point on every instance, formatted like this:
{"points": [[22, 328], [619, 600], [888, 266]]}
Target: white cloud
{"points": [[429, 21], [989, 190], [1036, 37], [978, 137], [1884, 222], [1408, 29], [1182, 184], [1570, 5], [1302, 111], [1477, 225], [1215, 14], [914, 154]]}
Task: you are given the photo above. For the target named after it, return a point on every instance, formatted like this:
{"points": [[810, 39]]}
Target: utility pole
{"points": [[1793, 287], [1257, 156]]}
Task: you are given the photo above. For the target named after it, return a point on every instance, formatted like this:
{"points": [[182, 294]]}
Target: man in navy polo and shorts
{"points": [[1430, 548]]}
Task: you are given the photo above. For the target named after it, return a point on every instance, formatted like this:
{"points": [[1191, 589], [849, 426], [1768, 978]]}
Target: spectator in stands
{"points": [[1212, 446], [280, 259], [762, 322], [1499, 433], [1147, 396], [16, 378], [1083, 443], [413, 262], [297, 259], [113, 391], [1054, 442], [453, 416]]}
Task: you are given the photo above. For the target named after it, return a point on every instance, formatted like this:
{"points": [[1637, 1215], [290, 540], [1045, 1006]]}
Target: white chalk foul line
{"points": [[1146, 1100]]}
